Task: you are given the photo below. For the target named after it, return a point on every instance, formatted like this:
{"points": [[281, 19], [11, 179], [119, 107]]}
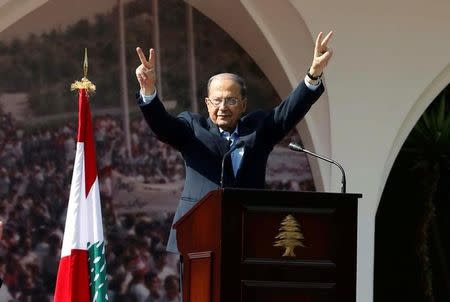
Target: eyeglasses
{"points": [[228, 101]]}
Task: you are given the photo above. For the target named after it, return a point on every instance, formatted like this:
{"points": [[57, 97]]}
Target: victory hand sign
{"points": [[322, 55], [145, 73]]}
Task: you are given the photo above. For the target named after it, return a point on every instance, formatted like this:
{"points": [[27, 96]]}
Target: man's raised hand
{"points": [[145, 73], [322, 54]]}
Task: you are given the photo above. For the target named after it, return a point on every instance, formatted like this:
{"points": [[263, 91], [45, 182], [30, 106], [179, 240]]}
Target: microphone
{"points": [[238, 144], [298, 148]]}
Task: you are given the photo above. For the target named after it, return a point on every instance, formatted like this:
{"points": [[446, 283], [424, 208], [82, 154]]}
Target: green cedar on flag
{"points": [[82, 267]]}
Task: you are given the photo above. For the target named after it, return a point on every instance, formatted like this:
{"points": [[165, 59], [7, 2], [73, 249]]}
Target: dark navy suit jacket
{"points": [[202, 147]]}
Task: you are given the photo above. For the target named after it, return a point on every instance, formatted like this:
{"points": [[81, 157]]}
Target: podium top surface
{"points": [[261, 195], [285, 192]]}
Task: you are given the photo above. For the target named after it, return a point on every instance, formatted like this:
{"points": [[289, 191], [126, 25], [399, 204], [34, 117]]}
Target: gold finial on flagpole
{"points": [[84, 83], [85, 64]]}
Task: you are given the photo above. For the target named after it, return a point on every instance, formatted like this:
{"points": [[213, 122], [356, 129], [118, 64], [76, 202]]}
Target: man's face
{"points": [[225, 91], [155, 284]]}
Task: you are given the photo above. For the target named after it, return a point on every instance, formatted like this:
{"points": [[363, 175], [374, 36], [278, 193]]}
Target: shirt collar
{"points": [[227, 134]]}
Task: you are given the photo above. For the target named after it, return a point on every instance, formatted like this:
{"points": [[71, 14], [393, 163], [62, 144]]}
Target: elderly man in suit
{"points": [[203, 142]]}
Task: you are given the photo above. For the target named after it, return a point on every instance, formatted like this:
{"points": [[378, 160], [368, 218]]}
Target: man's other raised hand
{"points": [[145, 73], [322, 54]]}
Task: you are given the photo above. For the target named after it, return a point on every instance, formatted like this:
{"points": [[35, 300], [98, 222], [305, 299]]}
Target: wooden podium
{"points": [[232, 244]]}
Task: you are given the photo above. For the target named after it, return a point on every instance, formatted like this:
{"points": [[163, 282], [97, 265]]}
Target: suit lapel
{"points": [[229, 179], [244, 135], [220, 143]]}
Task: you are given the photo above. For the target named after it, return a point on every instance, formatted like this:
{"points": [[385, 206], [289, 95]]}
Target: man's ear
{"points": [[244, 104]]}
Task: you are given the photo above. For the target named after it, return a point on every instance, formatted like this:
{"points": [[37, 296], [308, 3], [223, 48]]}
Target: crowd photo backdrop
{"points": [[140, 183]]}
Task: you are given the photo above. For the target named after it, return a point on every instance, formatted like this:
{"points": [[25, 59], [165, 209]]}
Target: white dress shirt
{"points": [[236, 155]]}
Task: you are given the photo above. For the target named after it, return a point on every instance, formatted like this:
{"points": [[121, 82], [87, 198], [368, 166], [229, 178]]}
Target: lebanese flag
{"points": [[82, 268]]}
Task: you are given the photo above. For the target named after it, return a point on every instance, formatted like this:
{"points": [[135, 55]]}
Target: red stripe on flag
{"points": [[72, 283], [86, 135]]}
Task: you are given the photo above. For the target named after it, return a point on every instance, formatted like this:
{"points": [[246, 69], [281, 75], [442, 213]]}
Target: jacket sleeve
{"points": [[175, 131], [289, 112]]}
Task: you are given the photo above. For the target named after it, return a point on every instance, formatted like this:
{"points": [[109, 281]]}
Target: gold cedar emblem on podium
{"points": [[290, 236]]}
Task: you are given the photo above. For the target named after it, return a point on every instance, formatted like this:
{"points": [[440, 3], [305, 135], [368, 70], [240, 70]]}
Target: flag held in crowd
{"points": [[82, 267]]}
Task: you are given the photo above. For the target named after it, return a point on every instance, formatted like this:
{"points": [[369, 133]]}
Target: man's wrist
{"points": [[312, 85], [314, 74], [146, 99], [148, 92], [311, 81]]}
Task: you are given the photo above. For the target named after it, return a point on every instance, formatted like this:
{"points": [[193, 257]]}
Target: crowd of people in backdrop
{"points": [[35, 176]]}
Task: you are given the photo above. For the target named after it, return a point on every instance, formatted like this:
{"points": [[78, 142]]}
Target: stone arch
{"points": [[396, 239], [13, 10], [425, 99]]}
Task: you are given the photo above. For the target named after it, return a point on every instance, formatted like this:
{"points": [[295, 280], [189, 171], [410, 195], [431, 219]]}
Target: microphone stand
{"points": [[298, 148], [237, 145]]}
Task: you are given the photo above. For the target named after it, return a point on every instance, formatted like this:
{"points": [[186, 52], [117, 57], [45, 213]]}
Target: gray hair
{"points": [[235, 78]]}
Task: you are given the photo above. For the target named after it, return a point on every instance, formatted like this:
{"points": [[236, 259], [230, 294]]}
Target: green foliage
{"points": [[429, 141]]}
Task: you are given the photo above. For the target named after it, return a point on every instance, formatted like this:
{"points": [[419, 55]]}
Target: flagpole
{"points": [[82, 275]]}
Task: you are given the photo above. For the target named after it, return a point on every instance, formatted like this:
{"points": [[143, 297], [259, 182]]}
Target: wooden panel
{"points": [[289, 270], [288, 292], [261, 225], [199, 282], [199, 231]]}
